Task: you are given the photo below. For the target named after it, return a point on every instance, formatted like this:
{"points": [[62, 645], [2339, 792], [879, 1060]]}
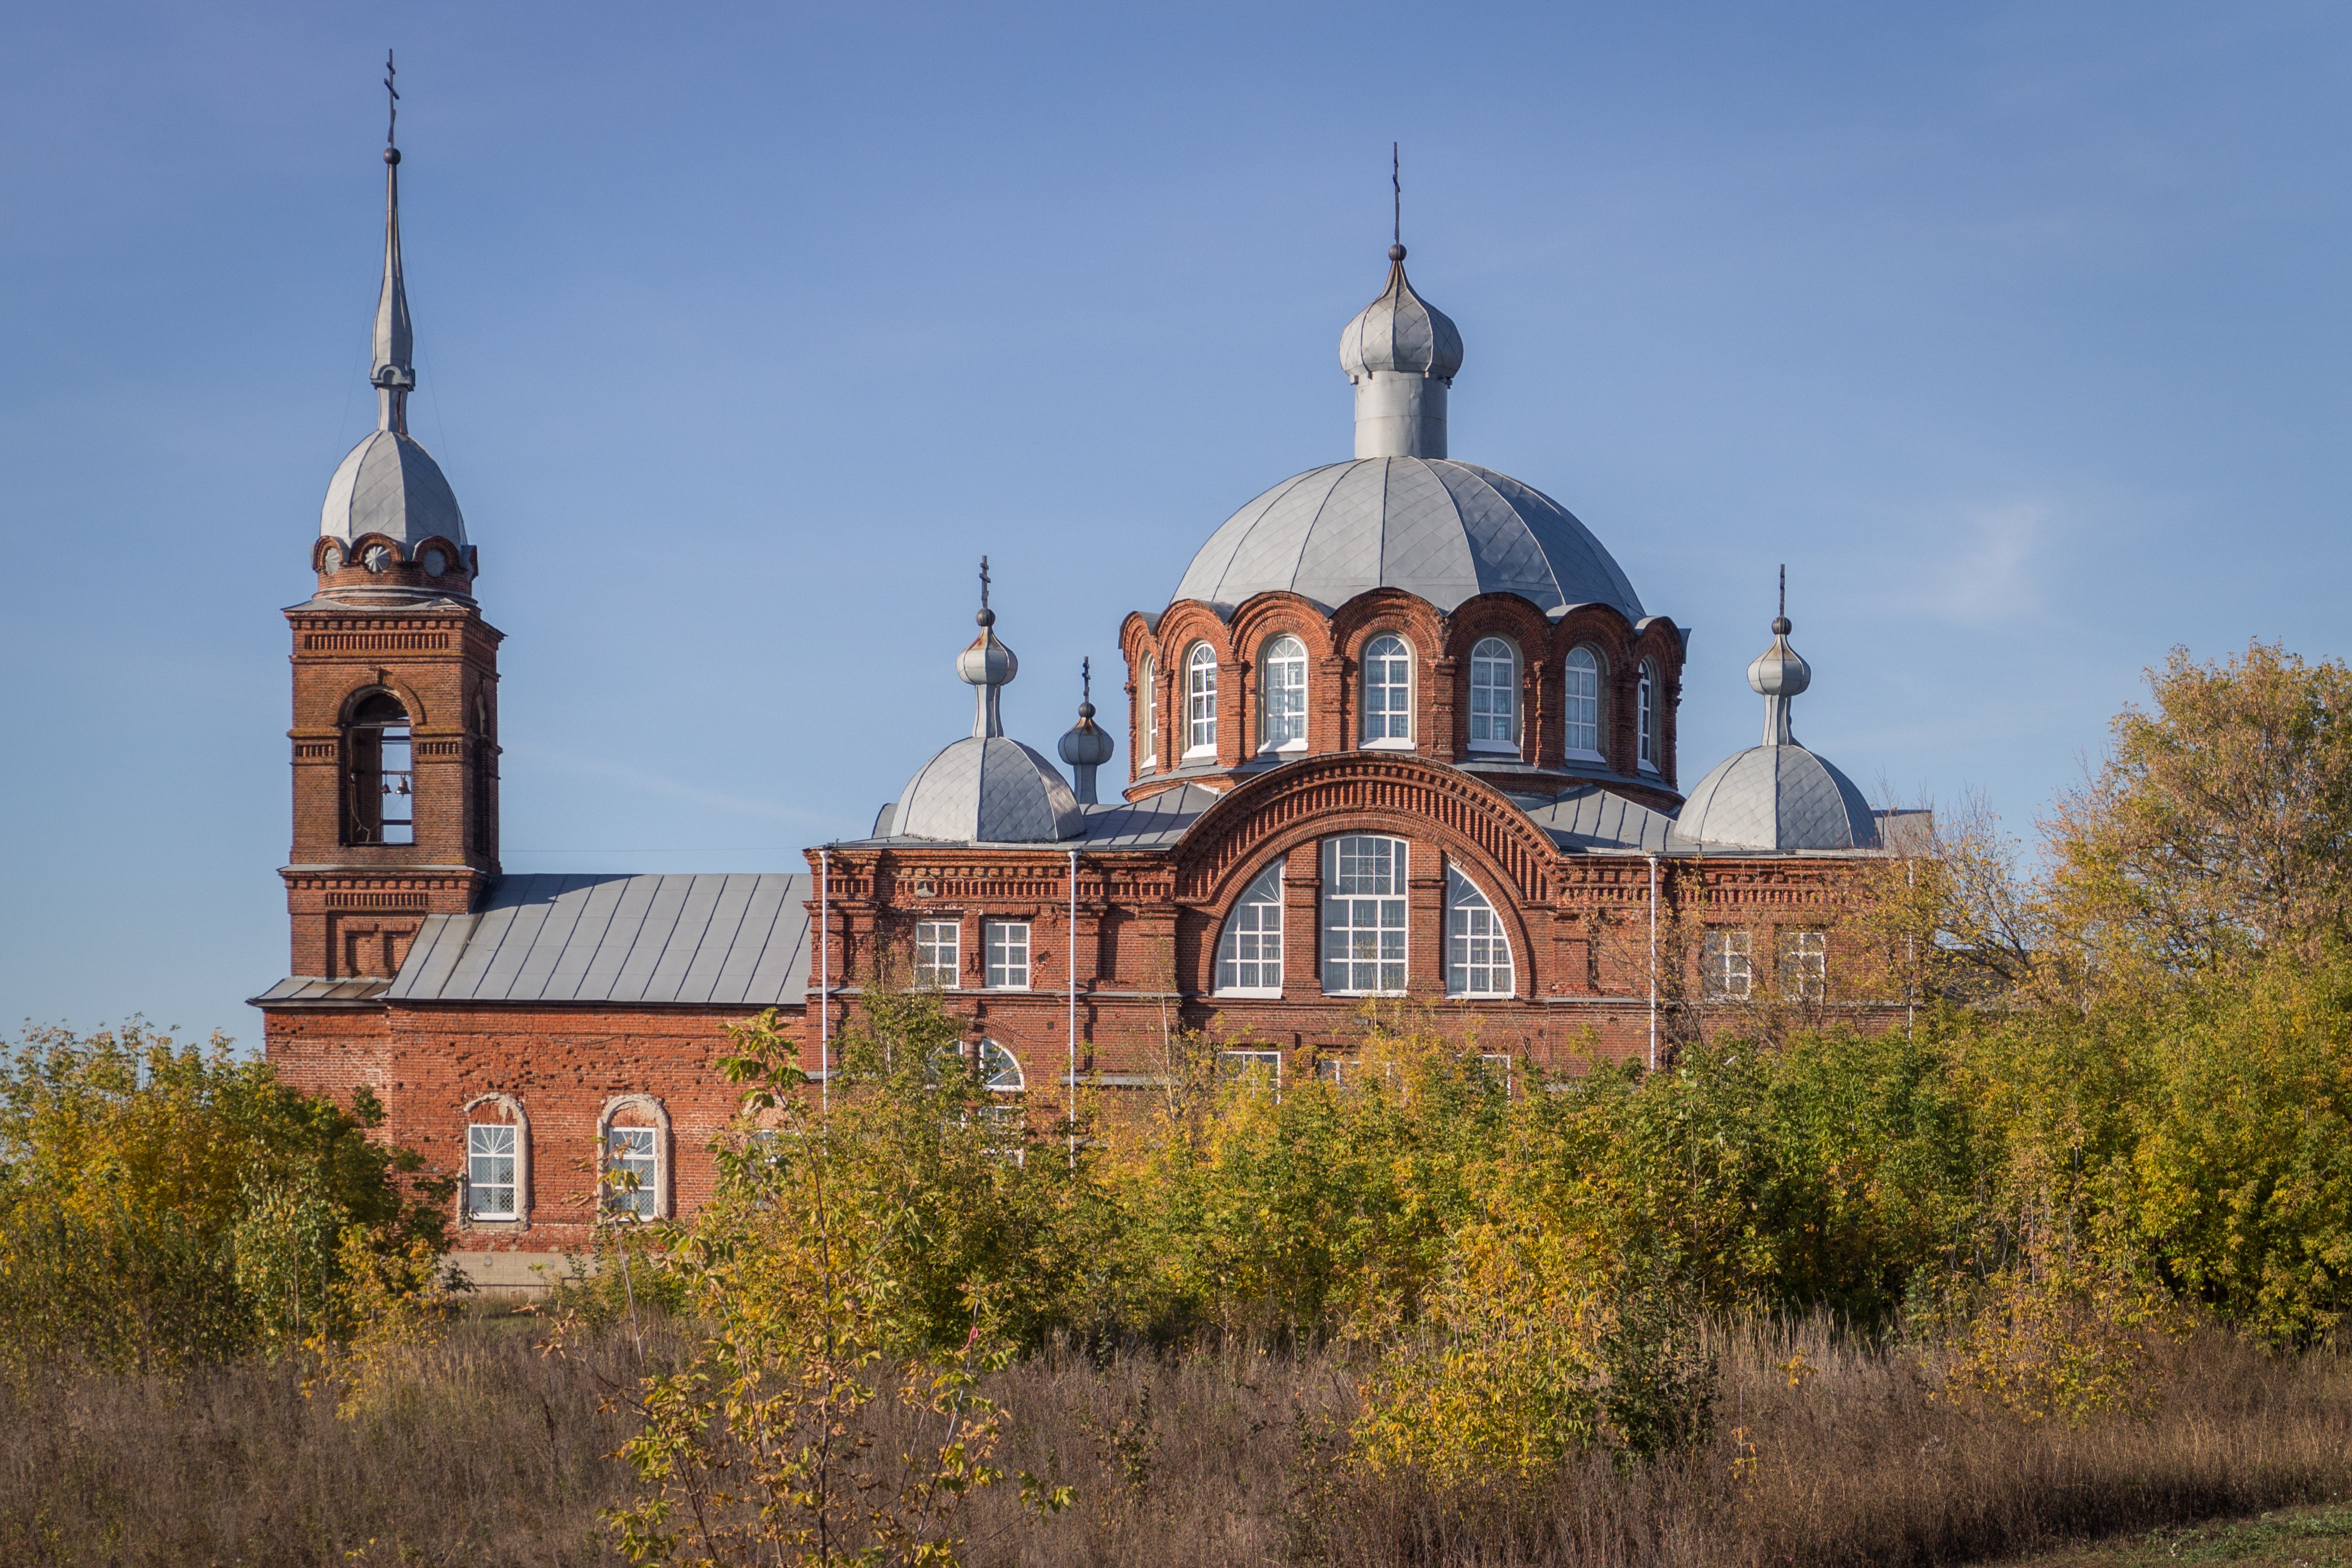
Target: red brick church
{"points": [[1404, 729]]}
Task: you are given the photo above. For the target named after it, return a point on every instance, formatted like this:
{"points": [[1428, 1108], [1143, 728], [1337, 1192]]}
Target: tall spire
{"points": [[987, 664], [1779, 675], [394, 375]]}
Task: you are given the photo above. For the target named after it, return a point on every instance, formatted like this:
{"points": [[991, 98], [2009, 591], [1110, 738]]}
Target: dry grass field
{"points": [[494, 1454]]}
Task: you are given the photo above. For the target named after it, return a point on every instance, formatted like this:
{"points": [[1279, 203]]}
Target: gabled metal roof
{"points": [[1592, 819], [727, 940]]}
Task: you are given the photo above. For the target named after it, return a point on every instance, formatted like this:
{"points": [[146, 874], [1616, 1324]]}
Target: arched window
{"points": [[1200, 701], [1363, 917], [1646, 698], [1000, 1069], [485, 778], [1282, 687], [634, 1134], [1388, 692], [380, 793], [1249, 954], [1477, 953], [1148, 700], [1580, 705], [496, 1188], [1494, 696]]}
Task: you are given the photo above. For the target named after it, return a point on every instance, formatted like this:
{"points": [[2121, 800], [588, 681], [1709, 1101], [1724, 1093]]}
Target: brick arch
{"points": [[385, 681], [1386, 791]]}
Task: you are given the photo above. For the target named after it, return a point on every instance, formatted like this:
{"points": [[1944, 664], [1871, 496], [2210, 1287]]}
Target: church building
{"points": [[1403, 730]]}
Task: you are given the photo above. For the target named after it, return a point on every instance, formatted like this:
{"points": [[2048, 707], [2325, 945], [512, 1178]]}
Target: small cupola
{"points": [[1086, 745], [1402, 353]]}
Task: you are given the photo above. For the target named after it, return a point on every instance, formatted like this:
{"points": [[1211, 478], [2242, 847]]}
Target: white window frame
{"points": [[1486, 656], [1234, 1062], [1726, 964], [1645, 697], [1249, 949], [1199, 702], [1475, 932], [1500, 1064], [1334, 1069], [992, 1077], [1149, 698], [1388, 728], [938, 963], [1282, 695], [1351, 891], [1004, 949], [1593, 675], [1805, 965], [513, 1186], [651, 1200]]}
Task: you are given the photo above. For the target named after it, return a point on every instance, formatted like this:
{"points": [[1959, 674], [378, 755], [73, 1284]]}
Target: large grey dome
{"points": [[390, 486], [989, 789], [1446, 531], [1775, 798]]}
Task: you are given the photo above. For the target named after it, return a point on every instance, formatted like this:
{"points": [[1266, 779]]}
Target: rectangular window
{"points": [[936, 953], [1495, 1066], [1238, 1064], [631, 1157], [1008, 954], [1726, 971], [1805, 965], [489, 1172], [1334, 1068], [1363, 917]]}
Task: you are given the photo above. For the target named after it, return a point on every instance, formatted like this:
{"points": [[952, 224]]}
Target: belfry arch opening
{"points": [[380, 777]]}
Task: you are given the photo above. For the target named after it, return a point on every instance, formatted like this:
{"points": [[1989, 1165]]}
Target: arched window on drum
{"points": [[1477, 952], [1494, 696], [1249, 952], [1282, 699], [1580, 705]]}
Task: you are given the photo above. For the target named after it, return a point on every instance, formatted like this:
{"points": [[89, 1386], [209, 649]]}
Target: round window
{"points": [[332, 560], [436, 563], [376, 558]]}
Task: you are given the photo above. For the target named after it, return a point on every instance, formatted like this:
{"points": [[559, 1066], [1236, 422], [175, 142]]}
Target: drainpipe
{"points": [[1073, 1010], [824, 982], [1654, 963]]}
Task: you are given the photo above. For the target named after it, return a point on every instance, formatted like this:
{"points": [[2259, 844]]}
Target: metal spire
{"points": [[987, 664], [1396, 188], [394, 373]]}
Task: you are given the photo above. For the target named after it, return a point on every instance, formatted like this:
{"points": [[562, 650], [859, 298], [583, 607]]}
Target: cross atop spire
{"points": [[1396, 189], [394, 375]]}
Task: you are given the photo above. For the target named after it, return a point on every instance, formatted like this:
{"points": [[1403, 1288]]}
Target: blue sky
{"points": [[2018, 332]]}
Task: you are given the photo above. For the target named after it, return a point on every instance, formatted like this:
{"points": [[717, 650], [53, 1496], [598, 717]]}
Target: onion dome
{"points": [[389, 485], [1444, 531], [1400, 331], [1776, 795], [987, 787], [1086, 745]]}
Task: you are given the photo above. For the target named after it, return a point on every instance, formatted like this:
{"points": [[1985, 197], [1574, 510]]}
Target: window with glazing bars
{"points": [[1387, 691], [1008, 954], [936, 953], [1201, 700], [1477, 952], [1494, 696], [1249, 954], [630, 1157], [1805, 965], [490, 1171], [1726, 971], [1282, 694], [1363, 917], [1581, 704]]}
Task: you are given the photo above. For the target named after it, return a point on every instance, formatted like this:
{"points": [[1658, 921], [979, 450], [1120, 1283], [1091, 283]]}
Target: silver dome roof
{"points": [[1446, 531], [389, 485], [1400, 331], [1775, 798], [989, 789]]}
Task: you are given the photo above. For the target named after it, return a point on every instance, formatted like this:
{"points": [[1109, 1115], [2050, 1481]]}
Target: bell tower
{"points": [[395, 686]]}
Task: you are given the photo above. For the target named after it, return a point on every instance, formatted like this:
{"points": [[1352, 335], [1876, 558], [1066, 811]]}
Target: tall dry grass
{"points": [[495, 1455]]}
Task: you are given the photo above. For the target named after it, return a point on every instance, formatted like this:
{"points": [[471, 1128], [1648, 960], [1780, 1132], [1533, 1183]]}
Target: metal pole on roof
{"points": [[1654, 963], [1073, 1010], [824, 982]]}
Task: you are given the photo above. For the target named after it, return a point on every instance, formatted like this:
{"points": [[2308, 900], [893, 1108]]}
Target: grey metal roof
{"points": [[721, 939], [1156, 822], [301, 990], [1595, 819], [987, 789], [1776, 797], [1446, 531], [1400, 331], [389, 485]]}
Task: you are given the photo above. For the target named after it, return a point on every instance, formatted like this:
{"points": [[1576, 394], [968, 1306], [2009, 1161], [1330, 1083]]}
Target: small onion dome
{"points": [[389, 485], [989, 789], [1086, 744], [1400, 331], [988, 662], [1780, 671]]}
